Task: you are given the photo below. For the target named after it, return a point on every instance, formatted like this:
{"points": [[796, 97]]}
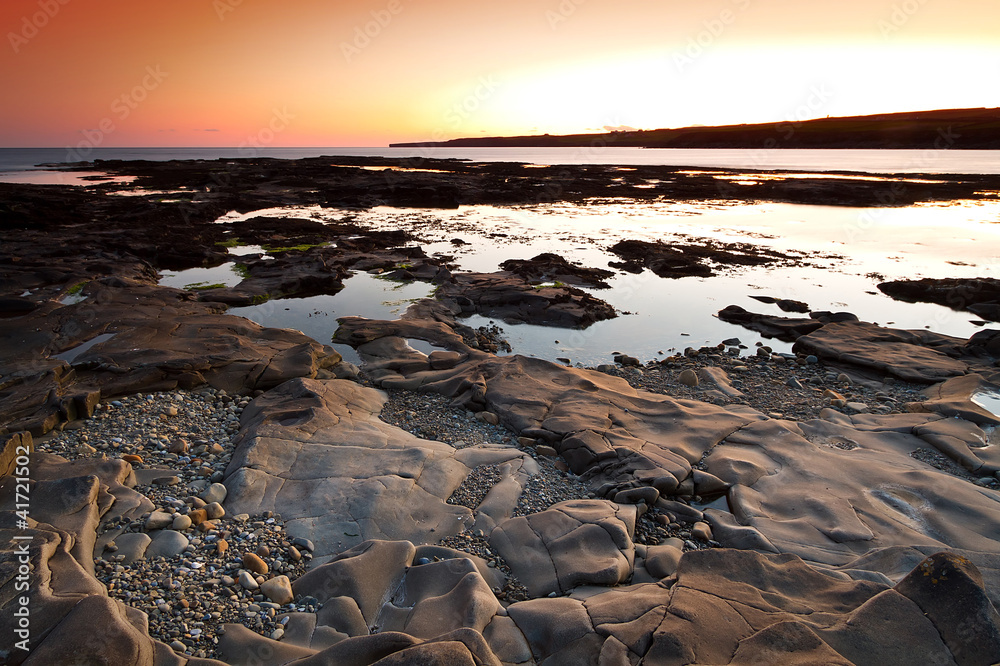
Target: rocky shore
{"points": [[182, 486]]}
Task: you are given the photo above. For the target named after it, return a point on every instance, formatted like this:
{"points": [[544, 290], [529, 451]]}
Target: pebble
{"points": [[214, 493], [247, 581], [702, 531], [214, 511], [278, 590], [180, 522], [158, 520], [186, 587], [688, 378], [252, 562]]}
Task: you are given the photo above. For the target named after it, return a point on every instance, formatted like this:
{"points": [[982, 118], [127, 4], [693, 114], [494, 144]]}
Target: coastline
{"points": [[485, 500]]}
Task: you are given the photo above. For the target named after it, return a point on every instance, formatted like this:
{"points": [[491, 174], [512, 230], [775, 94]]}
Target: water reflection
{"points": [[846, 252]]}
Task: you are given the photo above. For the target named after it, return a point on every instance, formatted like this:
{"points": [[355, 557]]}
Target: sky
{"points": [[118, 73]]}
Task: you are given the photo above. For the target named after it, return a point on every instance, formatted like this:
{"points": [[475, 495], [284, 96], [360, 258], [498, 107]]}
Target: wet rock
{"points": [[548, 267], [683, 259], [514, 300], [981, 296], [781, 328]]}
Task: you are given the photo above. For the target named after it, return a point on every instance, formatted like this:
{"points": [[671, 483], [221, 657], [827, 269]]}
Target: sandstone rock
{"points": [[949, 590], [917, 356], [318, 454], [167, 543], [158, 520], [214, 493], [573, 543], [97, 631], [252, 562], [181, 522], [247, 581], [688, 377], [278, 590]]}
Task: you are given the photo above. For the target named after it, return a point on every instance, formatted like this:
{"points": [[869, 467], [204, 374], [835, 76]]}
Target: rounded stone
{"points": [[215, 493], [688, 378], [252, 562], [158, 520], [180, 522], [247, 581], [214, 511], [278, 590]]}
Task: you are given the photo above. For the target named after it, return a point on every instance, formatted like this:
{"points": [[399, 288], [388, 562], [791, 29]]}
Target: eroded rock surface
{"points": [[60, 360], [317, 453], [721, 607]]}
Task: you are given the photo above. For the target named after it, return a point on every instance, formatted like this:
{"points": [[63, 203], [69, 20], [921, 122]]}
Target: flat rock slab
{"points": [[915, 356], [582, 542], [127, 337], [614, 436], [830, 491], [721, 607], [317, 453]]}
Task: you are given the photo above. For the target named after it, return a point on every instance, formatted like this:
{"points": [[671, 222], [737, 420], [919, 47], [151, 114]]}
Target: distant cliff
{"points": [[968, 129]]}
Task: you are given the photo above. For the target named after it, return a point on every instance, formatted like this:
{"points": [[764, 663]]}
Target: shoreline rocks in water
{"points": [[207, 491], [980, 296]]}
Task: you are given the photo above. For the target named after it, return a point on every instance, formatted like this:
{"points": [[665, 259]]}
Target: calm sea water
{"points": [[957, 239], [850, 251], [867, 161]]}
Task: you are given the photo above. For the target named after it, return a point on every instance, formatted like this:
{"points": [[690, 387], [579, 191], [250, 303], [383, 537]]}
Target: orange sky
{"points": [[365, 73]]}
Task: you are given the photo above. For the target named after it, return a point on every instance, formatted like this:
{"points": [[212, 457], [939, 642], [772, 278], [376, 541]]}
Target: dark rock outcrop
{"points": [[548, 267], [980, 296], [515, 300]]}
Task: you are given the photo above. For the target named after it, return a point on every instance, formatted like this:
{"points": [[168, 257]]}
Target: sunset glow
{"points": [[310, 72]]}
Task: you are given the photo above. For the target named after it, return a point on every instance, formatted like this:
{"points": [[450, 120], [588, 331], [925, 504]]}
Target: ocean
{"points": [[14, 160]]}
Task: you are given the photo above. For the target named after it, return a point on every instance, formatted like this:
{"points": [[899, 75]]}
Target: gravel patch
{"points": [[183, 440], [786, 388]]}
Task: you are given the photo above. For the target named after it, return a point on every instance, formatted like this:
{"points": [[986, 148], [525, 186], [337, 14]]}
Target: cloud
{"points": [[620, 128]]}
